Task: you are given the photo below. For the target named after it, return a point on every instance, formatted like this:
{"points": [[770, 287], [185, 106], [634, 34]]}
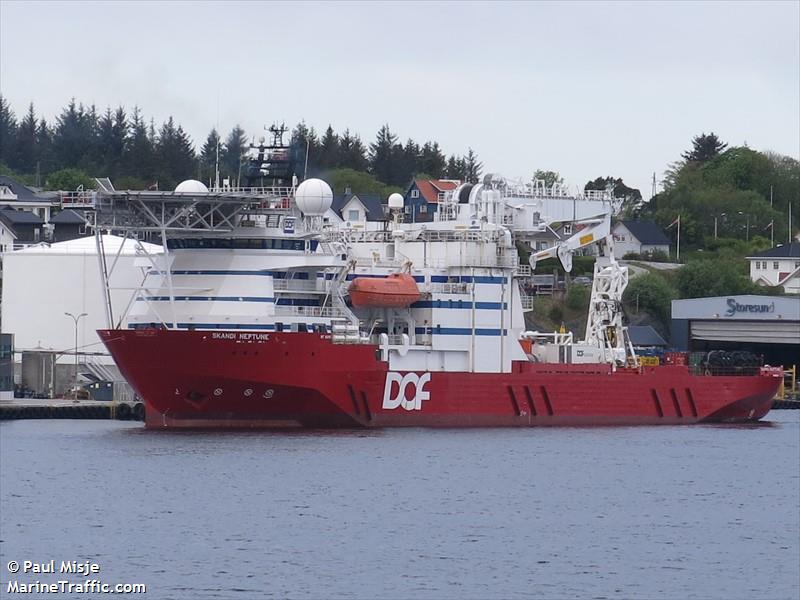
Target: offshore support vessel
{"points": [[264, 311]]}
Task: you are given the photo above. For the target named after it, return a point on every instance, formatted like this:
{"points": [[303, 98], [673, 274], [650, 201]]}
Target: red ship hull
{"points": [[209, 379]]}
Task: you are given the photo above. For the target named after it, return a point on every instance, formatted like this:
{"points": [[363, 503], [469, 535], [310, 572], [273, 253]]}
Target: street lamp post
{"points": [[715, 224], [747, 231], [75, 320]]}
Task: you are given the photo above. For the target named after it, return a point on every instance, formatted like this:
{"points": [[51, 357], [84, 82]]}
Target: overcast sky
{"points": [[586, 89]]}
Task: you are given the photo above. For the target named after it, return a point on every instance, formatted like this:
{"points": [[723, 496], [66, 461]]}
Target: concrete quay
{"points": [[31, 408]]}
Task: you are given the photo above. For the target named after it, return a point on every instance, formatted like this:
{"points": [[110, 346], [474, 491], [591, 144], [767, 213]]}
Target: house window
{"points": [[568, 229], [415, 193], [407, 210], [775, 265], [352, 215], [423, 208]]}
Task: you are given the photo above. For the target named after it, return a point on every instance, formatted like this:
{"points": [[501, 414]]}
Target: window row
{"points": [[241, 244]]}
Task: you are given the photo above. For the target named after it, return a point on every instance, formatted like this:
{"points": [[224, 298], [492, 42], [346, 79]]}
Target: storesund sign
{"points": [[746, 307], [736, 308]]}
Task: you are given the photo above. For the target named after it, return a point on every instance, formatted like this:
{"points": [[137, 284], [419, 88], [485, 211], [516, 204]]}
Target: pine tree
{"points": [[139, 155], [329, 150], [382, 156], [452, 171], [105, 134], [175, 155], [186, 160], [704, 148], [461, 169], [306, 149], [233, 159], [352, 152], [44, 142], [25, 149], [432, 160], [472, 167], [92, 161], [8, 131], [411, 160], [212, 150], [73, 137], [118, 142]]}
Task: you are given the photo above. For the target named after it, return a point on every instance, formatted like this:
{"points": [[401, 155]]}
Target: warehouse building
{"points": [[765, 325]]}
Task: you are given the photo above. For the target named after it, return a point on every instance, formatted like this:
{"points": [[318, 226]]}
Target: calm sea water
{"points": [[648, 512]]}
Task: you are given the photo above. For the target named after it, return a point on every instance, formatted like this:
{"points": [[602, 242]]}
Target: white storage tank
{"points": [[43, 282]]}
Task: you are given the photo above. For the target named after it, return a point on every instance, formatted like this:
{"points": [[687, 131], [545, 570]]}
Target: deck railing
{"points": [[310, 311]]}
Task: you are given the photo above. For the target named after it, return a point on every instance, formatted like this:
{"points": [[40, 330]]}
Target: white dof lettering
{"points": [[392, 399]]}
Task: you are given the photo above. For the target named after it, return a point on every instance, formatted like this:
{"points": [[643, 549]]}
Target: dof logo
{"points": [[396, 393]]}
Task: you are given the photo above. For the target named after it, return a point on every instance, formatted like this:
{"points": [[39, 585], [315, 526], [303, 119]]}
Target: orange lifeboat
{"points": [[398, 290]]}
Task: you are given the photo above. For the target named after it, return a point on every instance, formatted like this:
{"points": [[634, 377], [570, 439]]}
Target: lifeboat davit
{"points": [[398, 290]]}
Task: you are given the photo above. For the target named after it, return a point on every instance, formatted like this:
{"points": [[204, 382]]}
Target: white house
{"points": [[15, 195], [777, 266], [357, 209], [7, 238], [639, 237]]}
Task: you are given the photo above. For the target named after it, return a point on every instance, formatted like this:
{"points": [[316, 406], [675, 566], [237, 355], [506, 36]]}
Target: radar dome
{"points": [[313, 197], [395, 200], [191, 186]]}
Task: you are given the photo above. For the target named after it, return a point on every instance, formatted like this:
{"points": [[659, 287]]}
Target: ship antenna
{"points": [[216, 160], [216, 166]]}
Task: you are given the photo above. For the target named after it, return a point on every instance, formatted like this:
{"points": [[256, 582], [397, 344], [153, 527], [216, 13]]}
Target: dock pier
{"points": [[29, 408]]}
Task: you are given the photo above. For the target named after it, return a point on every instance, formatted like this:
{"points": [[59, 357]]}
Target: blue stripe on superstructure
{"points": [[263, 327], [466, 279], [460, 331], [459, 304], [260, 273], [212, 298], [351, 276]]}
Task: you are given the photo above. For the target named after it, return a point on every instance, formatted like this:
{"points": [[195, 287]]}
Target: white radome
{"points": [[395, 200], [313, 197], [191, 186]]}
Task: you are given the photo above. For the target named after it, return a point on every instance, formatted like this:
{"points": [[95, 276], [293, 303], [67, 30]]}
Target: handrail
{"points": [[310, 311], [298, 285], [448, 288]]}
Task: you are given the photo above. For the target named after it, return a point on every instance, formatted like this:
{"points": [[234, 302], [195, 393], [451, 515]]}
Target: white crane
{"points": [[605, 327]]}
